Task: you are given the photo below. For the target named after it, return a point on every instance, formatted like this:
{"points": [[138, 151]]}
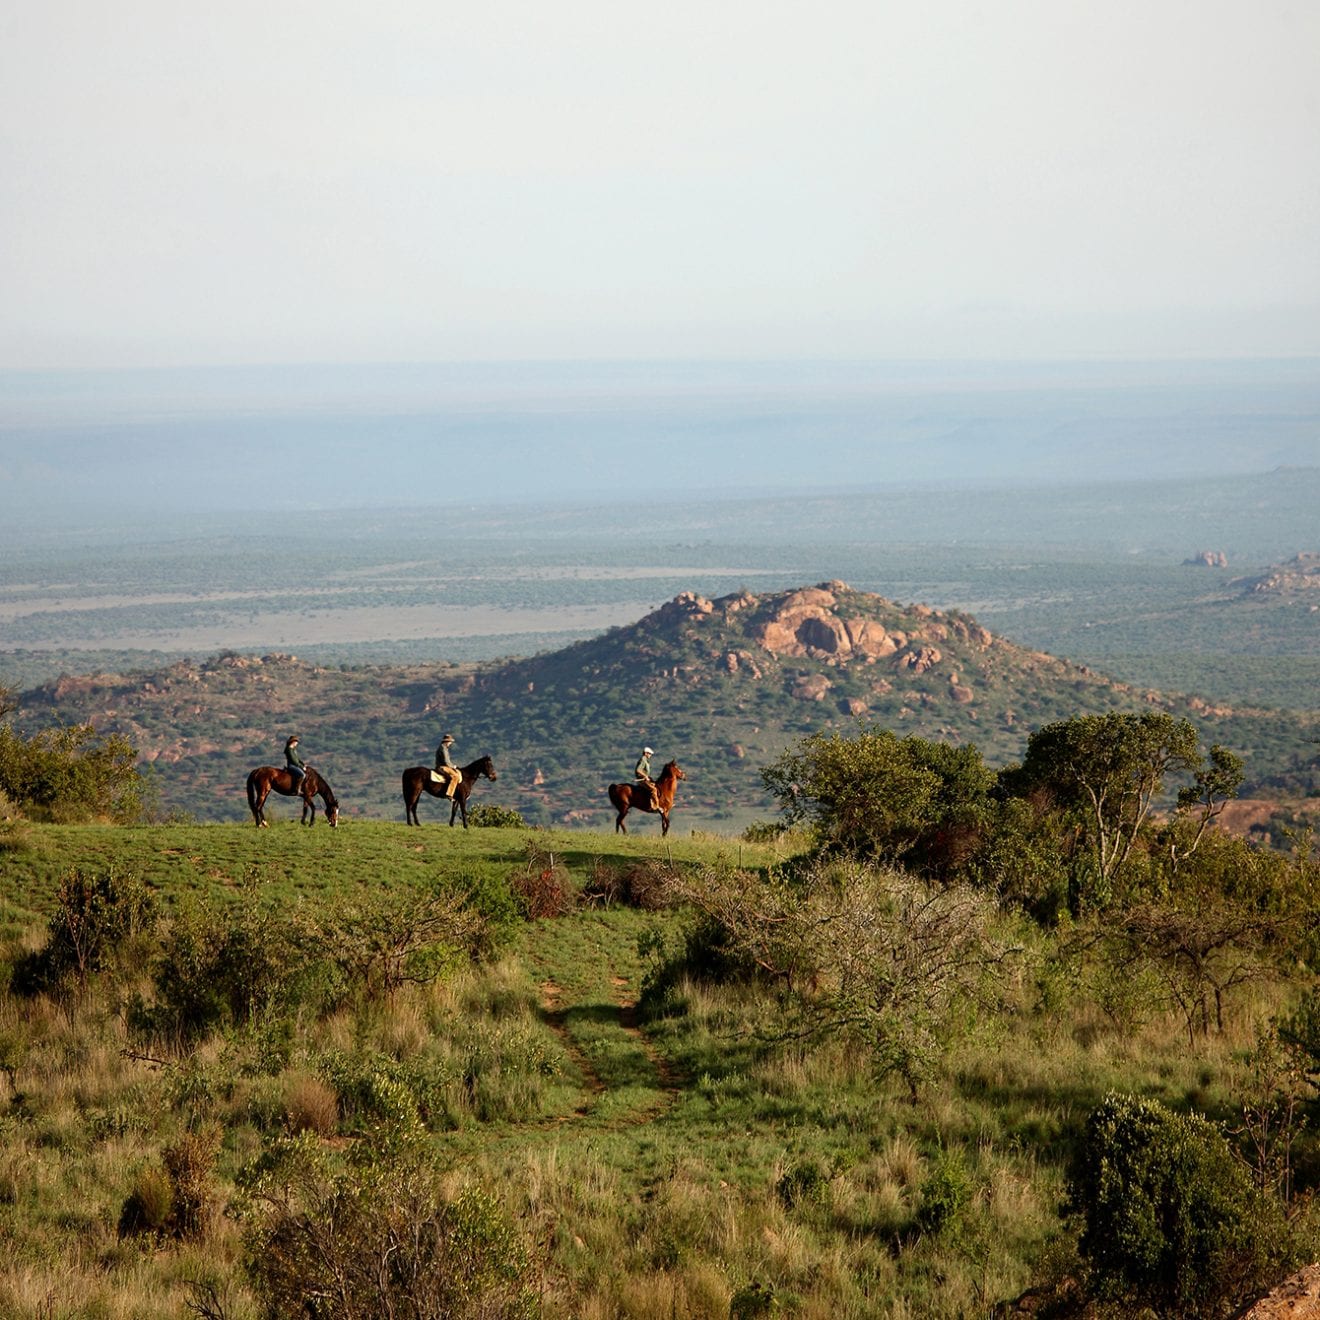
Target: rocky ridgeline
{"points": [[1301, 573]]}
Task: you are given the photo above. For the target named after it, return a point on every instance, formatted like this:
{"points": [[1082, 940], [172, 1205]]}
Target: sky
{"points": [[293, 181]]}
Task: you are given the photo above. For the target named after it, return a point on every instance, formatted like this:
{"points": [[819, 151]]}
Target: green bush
{"points": [[232, 966], [96, 923], [71, 774], [488, 816], [1171, 1220], [876, 794], [945, 1193]]}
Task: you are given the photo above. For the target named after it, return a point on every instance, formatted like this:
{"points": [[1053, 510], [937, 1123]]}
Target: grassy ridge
{"points": [[292, 862]]}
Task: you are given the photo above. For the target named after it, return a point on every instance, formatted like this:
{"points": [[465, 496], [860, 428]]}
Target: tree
{"points": [[1213, 787], [1108, 771], [876, 794]]}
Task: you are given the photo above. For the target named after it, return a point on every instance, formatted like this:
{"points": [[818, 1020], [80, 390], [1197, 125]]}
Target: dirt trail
{"points": [[668, 1081]]}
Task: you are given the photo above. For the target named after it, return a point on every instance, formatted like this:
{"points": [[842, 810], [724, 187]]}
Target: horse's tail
{"points": [[616, 796], [252, 790]]}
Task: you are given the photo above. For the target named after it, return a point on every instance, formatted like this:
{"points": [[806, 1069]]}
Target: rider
{"points": [[295, 762], [445, 767], [642, 775]]}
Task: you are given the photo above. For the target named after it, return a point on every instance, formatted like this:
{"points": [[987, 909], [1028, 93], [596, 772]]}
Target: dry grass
{"points": [[311, 1105]]}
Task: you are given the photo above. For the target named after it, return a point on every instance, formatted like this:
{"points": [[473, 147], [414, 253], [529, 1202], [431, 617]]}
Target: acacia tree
{"points": [[1108, 771]]}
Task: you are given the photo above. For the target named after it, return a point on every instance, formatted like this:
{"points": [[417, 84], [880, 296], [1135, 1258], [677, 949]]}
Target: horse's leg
{"points": [[618, 820], [664, 823]]}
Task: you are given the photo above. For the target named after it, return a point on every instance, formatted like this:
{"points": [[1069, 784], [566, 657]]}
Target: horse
{"points": [[267, 777], [622, 797], [417, 780]]}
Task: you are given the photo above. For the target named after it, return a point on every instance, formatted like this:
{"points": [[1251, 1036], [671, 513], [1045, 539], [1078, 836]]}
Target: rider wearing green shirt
{"points": [[642, 776], [294, 762]]}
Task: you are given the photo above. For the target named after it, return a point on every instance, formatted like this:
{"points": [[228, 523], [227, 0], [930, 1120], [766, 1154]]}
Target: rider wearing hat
{"points": [[294, 762], [642, 775], [445, 767]]}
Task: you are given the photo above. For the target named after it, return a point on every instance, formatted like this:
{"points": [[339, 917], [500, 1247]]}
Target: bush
{"points": [[644, 884], [378, 1238], [178, 1196], [542, 885], [71, 774], [96, 922], [386, 940], [1170, 1218], [945, 1193], [231, 967], [878, 795], [860, 951], [489, 816]]}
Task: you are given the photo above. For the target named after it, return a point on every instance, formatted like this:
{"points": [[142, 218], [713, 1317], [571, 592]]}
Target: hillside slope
{"points": [[721, 685]]}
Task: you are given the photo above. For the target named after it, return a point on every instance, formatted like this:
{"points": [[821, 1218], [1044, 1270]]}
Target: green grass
{"points": [[654, 1169], [290, 861]]}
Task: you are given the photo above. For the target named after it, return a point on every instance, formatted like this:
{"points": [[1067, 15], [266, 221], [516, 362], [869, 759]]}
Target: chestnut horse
{"points": [[626, 797], [418, 780], [267, 777]]}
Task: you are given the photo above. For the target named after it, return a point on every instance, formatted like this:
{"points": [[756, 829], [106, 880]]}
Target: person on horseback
{"points": [[643, 781], [445, 768], [295, 762]]}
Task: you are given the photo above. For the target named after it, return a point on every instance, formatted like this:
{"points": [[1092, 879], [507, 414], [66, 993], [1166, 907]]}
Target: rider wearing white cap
{"points": [[642, 774]]}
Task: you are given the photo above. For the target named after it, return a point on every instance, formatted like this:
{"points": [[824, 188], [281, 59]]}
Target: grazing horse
{"points": [[418, 780], [267, 777], [626, 797]]}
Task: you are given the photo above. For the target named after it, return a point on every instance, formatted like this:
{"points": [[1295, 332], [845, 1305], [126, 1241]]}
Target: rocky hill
{"points": [[1297, 577], [721, 685]]}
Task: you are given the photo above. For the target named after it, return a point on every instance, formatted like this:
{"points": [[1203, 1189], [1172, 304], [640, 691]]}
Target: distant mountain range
{"points": [[722, 685]]}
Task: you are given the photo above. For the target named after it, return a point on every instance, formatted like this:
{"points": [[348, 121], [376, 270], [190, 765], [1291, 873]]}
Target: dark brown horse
{"points": [[632, 797], [418, 780], [266, 778]]}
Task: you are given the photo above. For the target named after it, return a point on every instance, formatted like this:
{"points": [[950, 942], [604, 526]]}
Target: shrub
{"points": [[378, 1238], [643, 884], [876, 794], [222, 967], [945, 1193], [190, 1167], [178, 1196], [95, 923], [71, 774], [491, 816], [861, 952], [148, 1207], [386, 940], [804, 1183], [311, 1105], [542, 885], [1170, 1218]]}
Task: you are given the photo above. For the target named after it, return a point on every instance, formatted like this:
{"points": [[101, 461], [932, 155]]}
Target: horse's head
{"points": [[673, 768], [488, 768], [331, 812]]}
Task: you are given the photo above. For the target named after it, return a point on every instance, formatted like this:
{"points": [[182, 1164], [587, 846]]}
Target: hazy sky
{"points": [[428, 180]]}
